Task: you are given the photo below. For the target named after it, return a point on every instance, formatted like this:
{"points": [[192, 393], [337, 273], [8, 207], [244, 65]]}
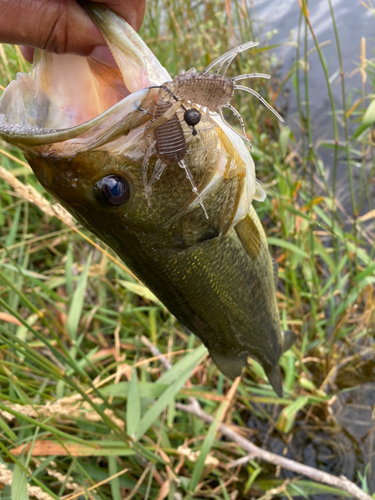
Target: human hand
{"points": [[61, 26]]}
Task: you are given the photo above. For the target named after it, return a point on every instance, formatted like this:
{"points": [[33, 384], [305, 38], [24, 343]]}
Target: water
{"points": [[353, 22], [338, 439]]}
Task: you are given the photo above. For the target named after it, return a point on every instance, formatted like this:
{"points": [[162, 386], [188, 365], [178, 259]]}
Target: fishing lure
{"points": [[212, 91], [168, 142]]}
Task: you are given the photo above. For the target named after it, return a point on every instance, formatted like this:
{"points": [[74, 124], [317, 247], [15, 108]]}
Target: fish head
{"points": [[87, 118]]}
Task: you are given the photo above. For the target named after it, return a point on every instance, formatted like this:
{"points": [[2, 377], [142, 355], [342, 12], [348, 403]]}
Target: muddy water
{"points": [[339, 439], [354, 22], [342, 443]]}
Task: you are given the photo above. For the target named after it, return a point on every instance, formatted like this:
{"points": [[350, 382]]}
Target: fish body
{"points": [[215, 275]]}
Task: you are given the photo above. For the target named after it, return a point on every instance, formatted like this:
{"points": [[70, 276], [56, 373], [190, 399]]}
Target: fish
{"points": [[80, 126]]}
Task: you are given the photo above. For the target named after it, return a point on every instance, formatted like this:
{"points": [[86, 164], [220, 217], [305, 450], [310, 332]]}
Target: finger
{"points": [[66, 27], [60, 26]]}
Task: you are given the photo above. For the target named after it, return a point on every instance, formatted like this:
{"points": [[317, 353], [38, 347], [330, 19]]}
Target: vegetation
{"points": [[87, 393]]}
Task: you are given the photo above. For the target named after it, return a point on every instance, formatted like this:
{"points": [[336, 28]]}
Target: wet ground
{"points": [[339, 439]]}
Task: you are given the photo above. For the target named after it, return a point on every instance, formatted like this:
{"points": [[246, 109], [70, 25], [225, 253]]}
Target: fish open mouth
{"points": [[68, 96], [70, 104]]}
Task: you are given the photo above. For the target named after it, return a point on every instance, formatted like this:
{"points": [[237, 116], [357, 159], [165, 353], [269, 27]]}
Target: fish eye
{"points": [[114, 189], [192, 117]]}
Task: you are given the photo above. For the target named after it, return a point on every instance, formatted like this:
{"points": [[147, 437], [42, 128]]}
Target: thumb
{"points": [[60, 26]]}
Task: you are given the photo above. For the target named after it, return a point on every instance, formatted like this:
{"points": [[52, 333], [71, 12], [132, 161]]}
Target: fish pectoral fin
{"points": [[288, 339], [274, 376], [250, 236], [230, 366]]}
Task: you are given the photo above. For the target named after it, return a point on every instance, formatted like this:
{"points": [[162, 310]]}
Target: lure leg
{"points": [[145, 111], [234, 130], [149, 152], [208, 127], [156, 174], [227, 55], [258, 96], [225, 65], [236, 113], [251, 75], [183, 165]]}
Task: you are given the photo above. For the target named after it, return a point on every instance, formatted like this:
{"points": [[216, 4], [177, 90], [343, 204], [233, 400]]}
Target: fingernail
{"points": [[102, 54]]}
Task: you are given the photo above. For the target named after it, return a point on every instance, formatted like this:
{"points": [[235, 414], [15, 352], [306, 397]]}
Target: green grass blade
{"points": [[19, 485], [77, 302], [188, 362], [367, 121], [133, 407], [145, 389], [287, 245], [206, 448], [115, 482], [162, 402], [287, 416]]}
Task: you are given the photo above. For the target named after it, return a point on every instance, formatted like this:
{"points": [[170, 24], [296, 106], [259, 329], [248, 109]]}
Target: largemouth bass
{"points": [[80, 127]]}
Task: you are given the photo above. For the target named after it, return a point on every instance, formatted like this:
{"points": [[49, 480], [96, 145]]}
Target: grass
{"points": [[86, 405]]}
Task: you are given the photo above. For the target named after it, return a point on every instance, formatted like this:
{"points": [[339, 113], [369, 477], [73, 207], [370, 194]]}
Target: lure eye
{"points": [[192, 117], [114, 189]]}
